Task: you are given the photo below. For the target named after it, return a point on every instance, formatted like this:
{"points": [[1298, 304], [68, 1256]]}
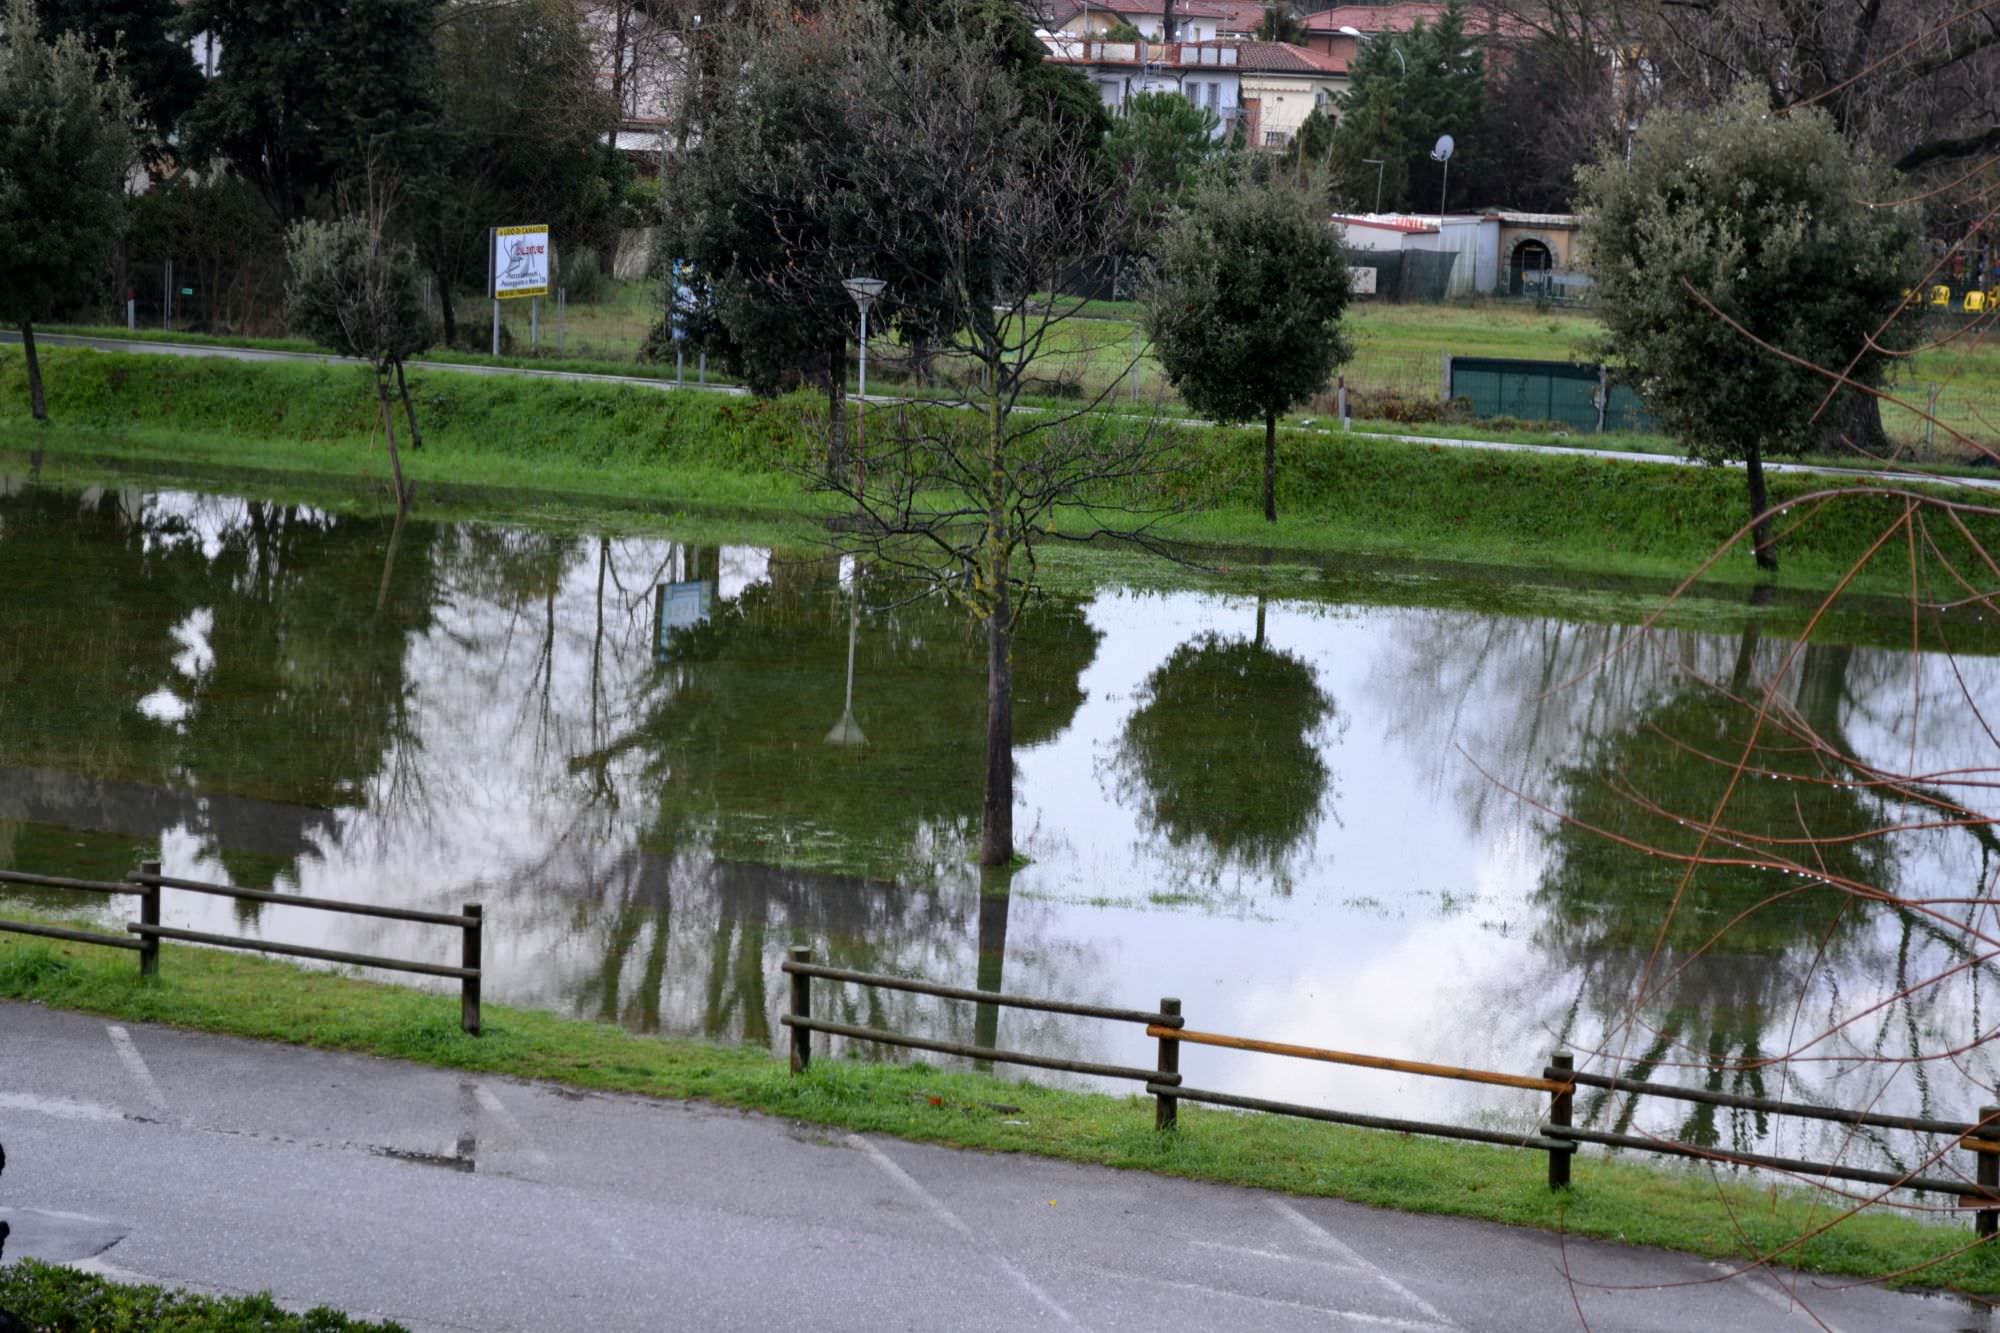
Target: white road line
{"points": [[1326, 1240], [951, 1219], [1350, 1316], [61, 1108], [490, 1102], [1776, 1293], [135, 1065], [1279, 1255]]}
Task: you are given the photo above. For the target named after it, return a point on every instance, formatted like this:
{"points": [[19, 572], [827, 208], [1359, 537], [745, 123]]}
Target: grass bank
{"points": [[50, 1299], [1687, 1210], [535, 446]]}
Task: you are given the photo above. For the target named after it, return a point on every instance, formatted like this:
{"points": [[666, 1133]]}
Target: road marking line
{"points": [[1351, 1316], [61, 1108], [490, 1102], [135, 1065], [1777, 1293], [1279, 1255], [1326, 1240], [951, 1219]]}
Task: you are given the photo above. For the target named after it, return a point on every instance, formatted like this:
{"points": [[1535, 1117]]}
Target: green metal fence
{"points": [[1581, 398]]}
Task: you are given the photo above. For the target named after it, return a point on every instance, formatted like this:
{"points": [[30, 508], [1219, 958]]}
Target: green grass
{"points": [[532, 448], [1688, 1210], [51, 1299]]}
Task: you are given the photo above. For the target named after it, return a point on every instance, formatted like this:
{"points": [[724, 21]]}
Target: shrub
{"points": [[61, 1300]]}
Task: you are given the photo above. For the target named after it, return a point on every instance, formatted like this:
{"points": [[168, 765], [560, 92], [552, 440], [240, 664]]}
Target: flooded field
{"points": [[1362, 815]]}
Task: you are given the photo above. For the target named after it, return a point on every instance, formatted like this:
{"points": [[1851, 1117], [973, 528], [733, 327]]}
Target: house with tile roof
{"points": [[1195, 20], [1203, 72], [1282, 84], [1323, 30]]}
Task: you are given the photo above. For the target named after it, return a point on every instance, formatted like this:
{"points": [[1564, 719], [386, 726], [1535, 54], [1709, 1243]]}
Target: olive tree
{"points": [[1735, 251], [353, 289], [1244, 306], [65, 146]]}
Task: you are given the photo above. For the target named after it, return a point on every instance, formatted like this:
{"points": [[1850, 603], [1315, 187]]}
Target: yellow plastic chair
{"points": [[1941, 296], [1975, 302]]}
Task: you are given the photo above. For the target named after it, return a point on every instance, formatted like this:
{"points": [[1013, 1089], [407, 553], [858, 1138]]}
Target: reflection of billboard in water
{"points": [[678, 606]]}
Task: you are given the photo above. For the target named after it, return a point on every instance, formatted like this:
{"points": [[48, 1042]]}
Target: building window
{"points": [[1276, 138]]}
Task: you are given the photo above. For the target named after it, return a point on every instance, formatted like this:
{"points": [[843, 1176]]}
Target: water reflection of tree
{"points": [[265, 639], [1224, 754], [736, 747], [1704, 969]]}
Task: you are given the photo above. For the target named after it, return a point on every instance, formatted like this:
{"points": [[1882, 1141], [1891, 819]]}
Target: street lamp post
{"points": [[865, 291], [1376, 163], [1360, 36]]}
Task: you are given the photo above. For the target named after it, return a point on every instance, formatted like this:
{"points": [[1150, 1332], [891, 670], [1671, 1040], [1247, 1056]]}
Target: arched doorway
{"points": [[1528, 267]]}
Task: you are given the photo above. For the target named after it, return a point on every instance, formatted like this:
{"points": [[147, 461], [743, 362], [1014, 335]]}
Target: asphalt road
{"points": [[449, 1202], [646, 382]]}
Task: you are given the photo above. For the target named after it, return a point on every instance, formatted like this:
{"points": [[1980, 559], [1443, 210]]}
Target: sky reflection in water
{"points": [[1273, 809]]}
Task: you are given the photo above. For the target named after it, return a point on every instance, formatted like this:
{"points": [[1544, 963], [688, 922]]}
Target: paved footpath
{"points": [[213, 350], [452, 1202]]}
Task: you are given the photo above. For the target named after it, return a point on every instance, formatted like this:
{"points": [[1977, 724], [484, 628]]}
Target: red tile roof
{"points": [[1401, 16], [1183, 9], [1241, 15], [1284, 58]]}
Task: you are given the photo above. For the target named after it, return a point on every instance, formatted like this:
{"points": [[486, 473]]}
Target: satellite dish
{"points": [[1442, 153]]}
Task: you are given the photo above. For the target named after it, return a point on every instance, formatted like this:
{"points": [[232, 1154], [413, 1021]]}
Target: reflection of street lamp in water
{"points": [[847, 731]]}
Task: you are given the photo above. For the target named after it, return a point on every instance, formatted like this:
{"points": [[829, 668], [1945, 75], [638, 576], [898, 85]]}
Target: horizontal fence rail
{"points": [[147, 884], [1556, 1135], [1770, 1106], [148, 950], [800, 967]]}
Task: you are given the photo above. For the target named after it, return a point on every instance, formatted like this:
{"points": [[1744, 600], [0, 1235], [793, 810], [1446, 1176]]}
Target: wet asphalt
{"points": [[451, 1202]]}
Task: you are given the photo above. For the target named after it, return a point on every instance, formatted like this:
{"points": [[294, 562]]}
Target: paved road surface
{"points": [[645, 382], [450, 1202]]}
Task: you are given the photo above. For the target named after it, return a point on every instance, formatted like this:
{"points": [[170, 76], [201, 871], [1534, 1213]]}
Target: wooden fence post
{"points": [[1561, 1106], [1166, 1110], [1987, 1170], [802, 1007], [149, 915], [469, 954]]}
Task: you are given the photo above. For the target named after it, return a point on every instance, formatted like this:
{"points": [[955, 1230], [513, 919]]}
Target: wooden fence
{"points": [[1556, 1135], [143, 936]]}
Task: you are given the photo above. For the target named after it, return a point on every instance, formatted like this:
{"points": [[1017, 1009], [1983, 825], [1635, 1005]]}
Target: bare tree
{"points": [[979, 210]]}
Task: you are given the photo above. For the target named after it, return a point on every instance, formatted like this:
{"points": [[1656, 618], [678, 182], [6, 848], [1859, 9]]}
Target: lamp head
{"points": [[865, 291]]}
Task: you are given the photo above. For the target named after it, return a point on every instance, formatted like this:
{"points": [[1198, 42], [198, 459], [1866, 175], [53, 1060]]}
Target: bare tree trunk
{"points": [[836, 412], [38, 405], [389, 432], [1854, 422], [1270, 467], [1760, 500], [445, 307], [403, 388]]}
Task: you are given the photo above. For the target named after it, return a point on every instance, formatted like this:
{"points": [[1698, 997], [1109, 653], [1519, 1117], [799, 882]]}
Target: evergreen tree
{"points": [[1771, 221], [65, 147], [308, 92], [152, 54], [1244, 309], [1406, 89]]}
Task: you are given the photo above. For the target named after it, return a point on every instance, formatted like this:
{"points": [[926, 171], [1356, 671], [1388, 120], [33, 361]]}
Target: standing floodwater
{"points": [[1324, 819]]}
